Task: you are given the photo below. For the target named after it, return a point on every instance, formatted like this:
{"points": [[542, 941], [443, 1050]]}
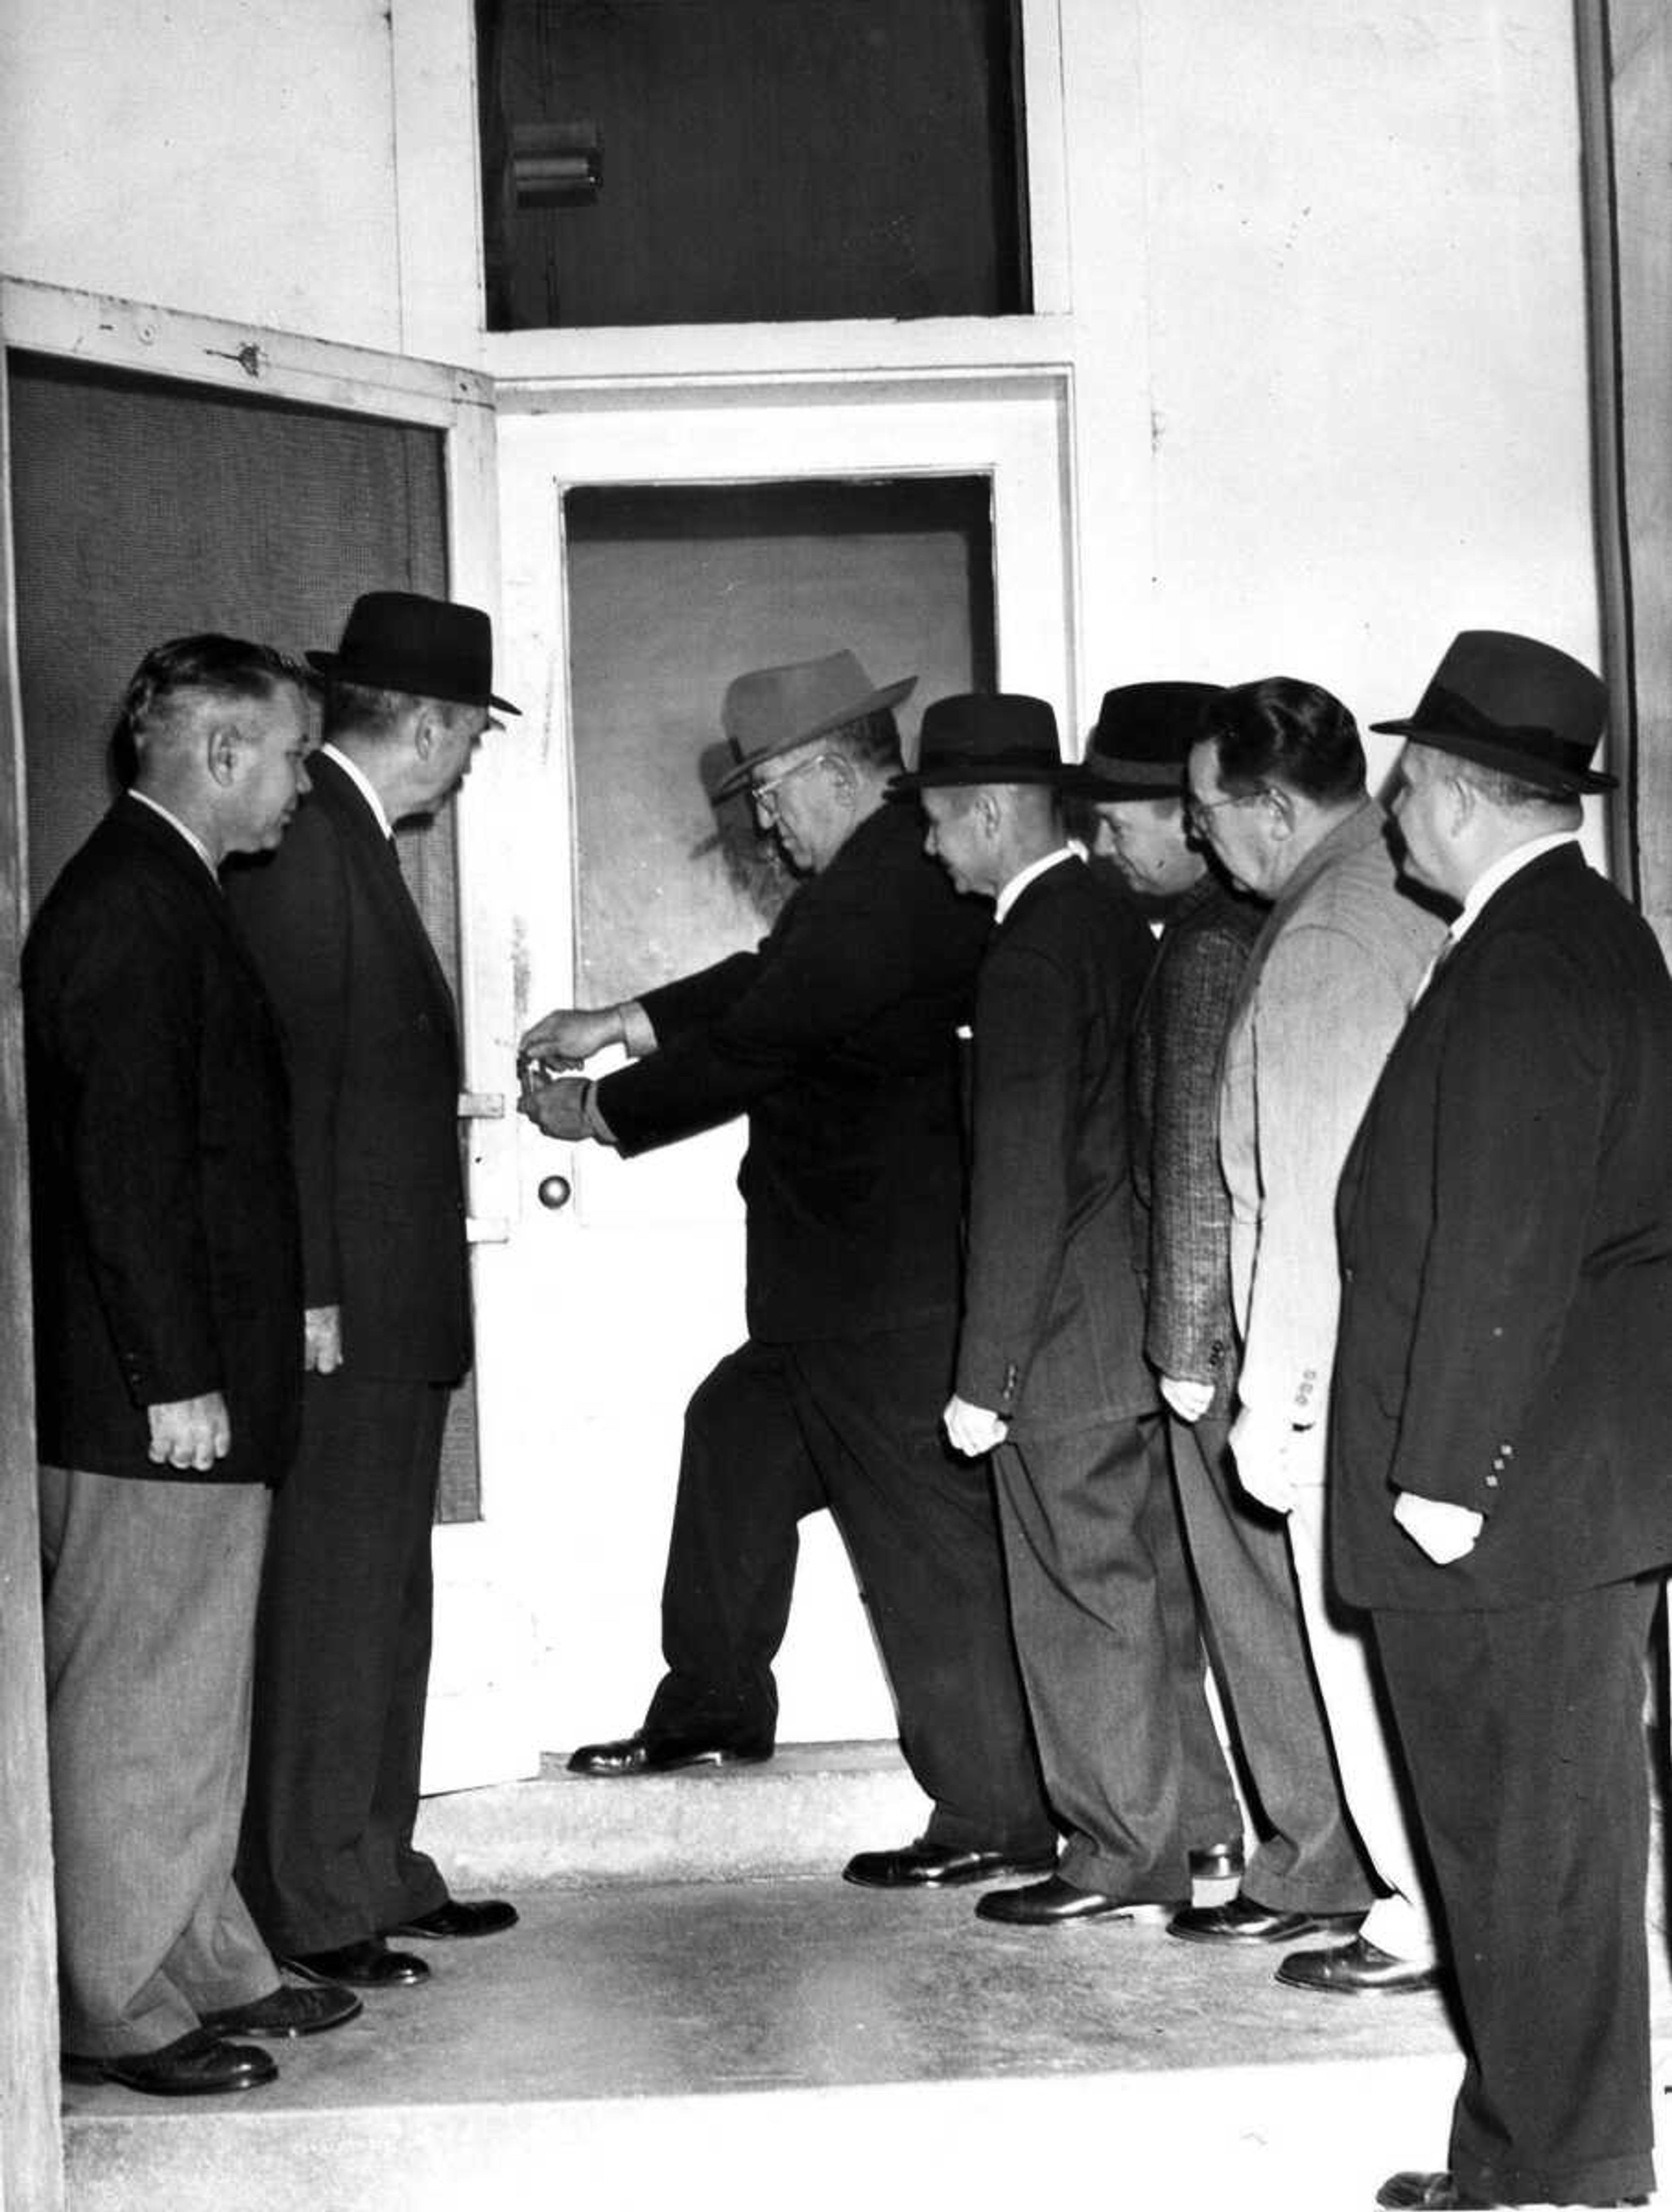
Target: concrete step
{"points": [[804, 1811], [752, 2044], [780, 2036]]}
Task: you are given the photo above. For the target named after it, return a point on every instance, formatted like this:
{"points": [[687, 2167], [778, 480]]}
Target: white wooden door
{"points": [[480, 1721], [599, 1314]]}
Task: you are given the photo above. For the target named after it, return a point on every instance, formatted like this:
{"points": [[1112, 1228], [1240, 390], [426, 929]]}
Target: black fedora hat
{"points": [[1142, 738], [432, 648], [987, 736], [1513, 703], [771, 711]]}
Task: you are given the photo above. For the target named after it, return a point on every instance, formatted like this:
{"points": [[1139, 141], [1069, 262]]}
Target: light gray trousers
{"points": [[150, 1597]]}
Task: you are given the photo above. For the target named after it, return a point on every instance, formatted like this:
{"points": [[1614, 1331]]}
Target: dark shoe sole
{"points": [[232, 2027], [718, 1756], [958, 1878], [94, 2074], [1429, 1978], [1139, 1915]]}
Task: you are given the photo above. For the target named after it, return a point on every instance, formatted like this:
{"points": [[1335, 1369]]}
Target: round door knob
{"points": [[555, 1191]]}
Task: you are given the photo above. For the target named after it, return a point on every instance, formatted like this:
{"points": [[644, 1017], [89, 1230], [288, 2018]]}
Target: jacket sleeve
{"points": [[673, 1008], [1524, 1091], [1327, 1015], [835, 959], [1189, 1329], [127, 1024], [1027, 1053], [296, 917]]}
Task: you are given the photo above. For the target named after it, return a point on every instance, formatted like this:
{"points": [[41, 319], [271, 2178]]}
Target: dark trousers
{"points": [[1105, 1624], [777, 1432], [342, 1668], [1524, 1733], [1308, 1858]]}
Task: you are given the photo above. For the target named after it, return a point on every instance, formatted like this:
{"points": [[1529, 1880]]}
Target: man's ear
{"points": [[426, 729], [1462, 798], [223, 752], [1281, 803], [989, 809]]}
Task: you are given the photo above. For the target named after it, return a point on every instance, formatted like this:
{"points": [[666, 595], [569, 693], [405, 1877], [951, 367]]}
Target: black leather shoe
{"points": [[1242, 1921], [368, 1964], [1355, 1969], [198, 2065], [924, 1865], [1217, 1862], [662, 1755], [309, 2010], [460, 1915], [1441, 2192], [1056, 1903]]}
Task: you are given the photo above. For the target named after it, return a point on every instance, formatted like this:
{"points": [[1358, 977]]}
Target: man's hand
{"points": [[1447, 1532], [1190, 1400], [558, 1109], [189, 1431], [1263, 1444], [972, 1430], [322, 1340], [569, 1035]]}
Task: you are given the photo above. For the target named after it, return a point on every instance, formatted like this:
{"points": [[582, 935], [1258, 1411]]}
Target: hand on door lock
{"points": [[558, 1107]]}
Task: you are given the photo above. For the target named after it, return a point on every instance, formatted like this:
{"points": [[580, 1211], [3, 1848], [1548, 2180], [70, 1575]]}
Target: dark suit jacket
{"points": [[1183, 1208], [837, 1038], [165, 1242], [372, 1045], [1053, 1320], [1506, 1222]]}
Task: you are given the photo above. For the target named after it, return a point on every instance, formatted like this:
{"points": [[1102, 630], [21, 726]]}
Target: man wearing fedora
{"points": [[1277, 790], [372, 1047], [1504, 1419], [837, 1038], [1050, 1377], [1307, 1861]]}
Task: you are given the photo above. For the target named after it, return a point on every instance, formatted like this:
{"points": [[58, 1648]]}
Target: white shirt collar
{"points": [[1017, 884], [174, 823], [1500, 872], [357, 777]]}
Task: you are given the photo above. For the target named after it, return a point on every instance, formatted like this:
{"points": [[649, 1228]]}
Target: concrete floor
{"points": [[697, 2011], [804, 2042]]}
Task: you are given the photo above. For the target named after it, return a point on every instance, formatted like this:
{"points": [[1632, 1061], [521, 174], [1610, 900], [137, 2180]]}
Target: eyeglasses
{"points": [[1196, 810], [765, 793]]}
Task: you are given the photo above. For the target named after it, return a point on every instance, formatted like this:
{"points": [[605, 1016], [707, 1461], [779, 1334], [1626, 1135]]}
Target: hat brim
{"points": [[1065, 776], [332, 665], [875, 703], [1109, 777], [1548, 776]]}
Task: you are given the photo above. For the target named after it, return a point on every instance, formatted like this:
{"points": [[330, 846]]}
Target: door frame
{"points": [[481, 1727], [674, 1272]]}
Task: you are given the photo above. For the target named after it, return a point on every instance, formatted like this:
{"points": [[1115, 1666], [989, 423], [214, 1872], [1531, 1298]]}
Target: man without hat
{"points": [[371, 1041], [169, 1294], [1307, 1867], [1050, 1376], [1277, 790], [1503, 1420], [837, 1037]]}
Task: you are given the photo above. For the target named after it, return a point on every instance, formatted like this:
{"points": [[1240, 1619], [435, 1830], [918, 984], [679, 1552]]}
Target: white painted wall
{"points": [[1314, 268], [225, 157], [1324, 260], [1366, 340]]}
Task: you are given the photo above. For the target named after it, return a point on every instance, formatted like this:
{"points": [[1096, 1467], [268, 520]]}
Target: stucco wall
{"points": [[227, 157]]}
